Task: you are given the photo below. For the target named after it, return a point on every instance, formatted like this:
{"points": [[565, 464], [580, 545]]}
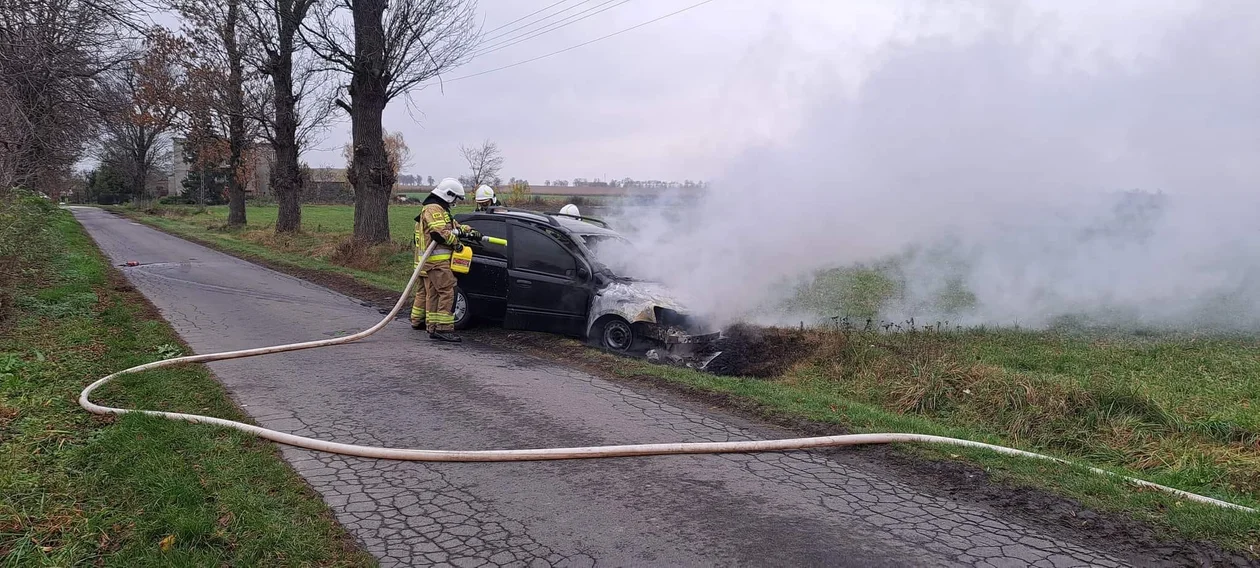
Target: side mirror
{"points": [[583, 273]]}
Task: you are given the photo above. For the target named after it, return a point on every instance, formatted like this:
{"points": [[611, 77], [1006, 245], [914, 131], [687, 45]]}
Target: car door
{"points": [[486, 283], [547, 289]]}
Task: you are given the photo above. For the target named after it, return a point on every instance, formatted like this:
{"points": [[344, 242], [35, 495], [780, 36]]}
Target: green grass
{"points": [[1173, 410], [321, 219], [323, 244], [132, 491]]}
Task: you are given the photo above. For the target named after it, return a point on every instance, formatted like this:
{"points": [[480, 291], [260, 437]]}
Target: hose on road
{"points": [[550, 453]]}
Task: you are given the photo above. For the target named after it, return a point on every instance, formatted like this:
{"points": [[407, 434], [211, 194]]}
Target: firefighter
{"points": [[486, 198], [433, 303]]}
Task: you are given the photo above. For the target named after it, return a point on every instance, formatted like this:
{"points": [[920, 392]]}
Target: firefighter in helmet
{"points": [[486, 199], [434, 300]]}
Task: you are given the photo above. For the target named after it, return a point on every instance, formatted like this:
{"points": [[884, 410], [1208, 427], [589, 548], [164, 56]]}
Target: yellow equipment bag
{"points": [[462, 260]]}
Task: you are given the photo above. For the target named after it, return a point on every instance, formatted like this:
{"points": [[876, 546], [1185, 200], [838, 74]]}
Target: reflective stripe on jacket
{"points": [[435, 219]]}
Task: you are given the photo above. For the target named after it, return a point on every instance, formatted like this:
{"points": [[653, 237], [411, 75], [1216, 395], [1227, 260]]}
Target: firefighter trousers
{"points": [[439, 293], [419, 307]]}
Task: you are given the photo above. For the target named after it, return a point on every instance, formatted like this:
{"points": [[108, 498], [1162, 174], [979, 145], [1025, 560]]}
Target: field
{"points": [[77, 489], [1176, 409], [325, 219]]}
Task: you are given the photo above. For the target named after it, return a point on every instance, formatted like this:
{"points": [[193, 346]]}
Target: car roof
{"points": [[570, 224], [583, 227]]}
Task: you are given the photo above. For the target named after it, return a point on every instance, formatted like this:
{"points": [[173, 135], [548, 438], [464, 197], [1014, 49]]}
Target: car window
{"points": [[490, 228], [532, 250]]}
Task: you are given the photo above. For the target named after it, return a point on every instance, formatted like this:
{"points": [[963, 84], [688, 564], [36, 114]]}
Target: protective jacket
{"points": [[434, 223]]}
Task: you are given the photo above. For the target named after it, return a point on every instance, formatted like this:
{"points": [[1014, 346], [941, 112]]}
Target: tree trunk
{"points": [[288, 175], [369, 173], [140, 167], [236, 118], [288, 188]]}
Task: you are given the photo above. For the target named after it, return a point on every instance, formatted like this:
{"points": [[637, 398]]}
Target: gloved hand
{"points": [[473, 234]]}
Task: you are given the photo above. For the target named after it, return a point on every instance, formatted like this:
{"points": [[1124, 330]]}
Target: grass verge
{"points": [[80, 489], [1173, 410]]}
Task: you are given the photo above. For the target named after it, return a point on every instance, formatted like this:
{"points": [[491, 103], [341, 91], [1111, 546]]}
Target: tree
{"points": [[137, 113], [397, 155], [105, 184], [220, 48], [430, 180], [395, 47], [295, 106], [484, 163], [53, 56], [207, 177]]}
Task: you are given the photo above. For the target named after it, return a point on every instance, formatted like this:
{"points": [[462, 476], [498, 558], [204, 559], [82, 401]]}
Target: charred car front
{"points": [[549, 279]]}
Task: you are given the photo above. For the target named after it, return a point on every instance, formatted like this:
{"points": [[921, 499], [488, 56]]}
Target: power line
{"points": [[553, 27], [528, 15], [547, 28], [533, 23], [571, 48]]}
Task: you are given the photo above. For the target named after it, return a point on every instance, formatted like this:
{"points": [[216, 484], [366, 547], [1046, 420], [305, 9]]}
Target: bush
{"points": [[112, 199], [260, 200], [25, 240]]}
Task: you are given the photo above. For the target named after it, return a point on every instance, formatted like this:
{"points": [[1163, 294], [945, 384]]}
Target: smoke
{"points": [[999, 170]]}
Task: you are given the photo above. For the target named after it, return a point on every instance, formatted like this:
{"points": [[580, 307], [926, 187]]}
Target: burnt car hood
{"points": [[639, 301]]}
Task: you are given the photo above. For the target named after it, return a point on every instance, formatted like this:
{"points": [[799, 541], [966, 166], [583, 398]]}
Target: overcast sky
{"points": [[680, 97]]}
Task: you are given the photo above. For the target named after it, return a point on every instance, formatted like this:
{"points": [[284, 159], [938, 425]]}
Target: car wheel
{"points": [[616, 335], [460, 309]]}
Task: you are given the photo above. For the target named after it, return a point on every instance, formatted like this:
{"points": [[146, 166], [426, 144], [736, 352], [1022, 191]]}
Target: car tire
{"points": [[617, 335], [462, 310]]}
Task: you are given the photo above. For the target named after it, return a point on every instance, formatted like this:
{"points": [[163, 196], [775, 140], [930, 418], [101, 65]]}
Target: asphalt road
{"points": [[398, 389]]}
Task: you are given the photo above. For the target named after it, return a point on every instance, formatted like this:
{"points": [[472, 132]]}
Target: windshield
{"points": [[614, 252]]}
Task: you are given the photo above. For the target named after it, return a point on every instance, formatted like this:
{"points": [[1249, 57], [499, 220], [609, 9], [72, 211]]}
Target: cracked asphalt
{"points": [[397, 389]]}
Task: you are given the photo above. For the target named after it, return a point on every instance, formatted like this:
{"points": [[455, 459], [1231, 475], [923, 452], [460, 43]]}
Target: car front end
{"points": [[656, 317]]}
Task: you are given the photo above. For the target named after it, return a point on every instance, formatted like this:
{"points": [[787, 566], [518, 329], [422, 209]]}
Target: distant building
{"points": [[262, 154], [328, 174]]}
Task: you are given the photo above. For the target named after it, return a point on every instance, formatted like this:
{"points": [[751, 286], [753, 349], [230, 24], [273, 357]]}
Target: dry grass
{"points": [[1101, 415], [353, 253]]}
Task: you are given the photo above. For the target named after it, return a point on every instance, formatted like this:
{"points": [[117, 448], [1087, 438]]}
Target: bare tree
{"points": [[295, 106], [138, 113], [54, 55], [484, 163], [397, 153], [221, 46], [395, 47]]}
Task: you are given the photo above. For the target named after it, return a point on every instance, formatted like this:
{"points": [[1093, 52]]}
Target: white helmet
{"points": [[449, 190], [570, 209], [484, 193]]}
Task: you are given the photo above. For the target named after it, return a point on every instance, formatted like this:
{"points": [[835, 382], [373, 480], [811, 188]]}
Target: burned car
{"points": [[549, 279]]}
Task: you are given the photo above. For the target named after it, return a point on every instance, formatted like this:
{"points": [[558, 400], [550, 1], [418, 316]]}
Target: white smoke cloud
{"points": [[1001, 157]]}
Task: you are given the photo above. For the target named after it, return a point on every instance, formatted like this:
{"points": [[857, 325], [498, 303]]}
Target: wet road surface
{"points": [[398, 389]]}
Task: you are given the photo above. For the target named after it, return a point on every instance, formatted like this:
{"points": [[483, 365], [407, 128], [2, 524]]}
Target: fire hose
{"points": [[552, 453]]}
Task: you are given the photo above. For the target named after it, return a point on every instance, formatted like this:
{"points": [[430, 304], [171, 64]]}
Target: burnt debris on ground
{"points": [[762, 352]]}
